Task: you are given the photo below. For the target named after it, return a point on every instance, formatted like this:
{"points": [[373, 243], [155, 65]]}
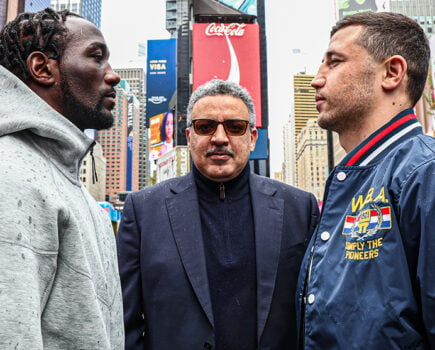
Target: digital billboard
{"points": [[228, 51], [247, 6], [349, 7], [129, 167], [161, 79], [161, 134]]}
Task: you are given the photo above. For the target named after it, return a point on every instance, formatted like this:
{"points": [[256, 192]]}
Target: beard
{"points": [[354, 103], [83, 116]]}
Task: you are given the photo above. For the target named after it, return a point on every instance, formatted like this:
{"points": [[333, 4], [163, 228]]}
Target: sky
{"points": [[297, 34]]}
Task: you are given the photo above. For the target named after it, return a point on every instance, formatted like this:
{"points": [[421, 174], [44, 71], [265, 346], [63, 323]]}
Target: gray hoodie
{"points": [[59, 284]]}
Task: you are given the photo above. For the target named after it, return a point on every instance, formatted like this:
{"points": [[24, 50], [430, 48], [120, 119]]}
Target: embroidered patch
{"points": [[364, 230], [367, 222]]}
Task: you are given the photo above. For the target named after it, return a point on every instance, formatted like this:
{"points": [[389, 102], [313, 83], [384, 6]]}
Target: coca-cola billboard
{"points": [[228, 51]]}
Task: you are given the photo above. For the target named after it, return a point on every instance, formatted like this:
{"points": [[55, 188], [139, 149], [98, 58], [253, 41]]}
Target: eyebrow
{"points": [[331, 53], [99, 45]]}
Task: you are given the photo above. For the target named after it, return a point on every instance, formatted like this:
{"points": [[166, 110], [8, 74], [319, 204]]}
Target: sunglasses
{"points": [[233, 127]]}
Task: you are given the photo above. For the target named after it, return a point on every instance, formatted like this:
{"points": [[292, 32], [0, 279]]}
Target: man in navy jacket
{"points": [[368, 279], [210, 260]]}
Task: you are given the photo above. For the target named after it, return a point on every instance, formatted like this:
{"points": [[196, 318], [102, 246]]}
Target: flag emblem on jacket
{"points": [[367, 221]]}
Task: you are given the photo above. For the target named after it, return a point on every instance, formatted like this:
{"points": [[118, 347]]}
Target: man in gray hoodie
{"points": [[59, 285]]}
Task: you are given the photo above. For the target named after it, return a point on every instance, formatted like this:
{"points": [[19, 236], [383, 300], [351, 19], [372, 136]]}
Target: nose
{"points": [[112, 78], [319, 80], [220, 135]]}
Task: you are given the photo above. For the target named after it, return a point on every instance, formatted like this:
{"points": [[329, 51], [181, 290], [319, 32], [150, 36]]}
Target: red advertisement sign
{"points": [[228, 51]]}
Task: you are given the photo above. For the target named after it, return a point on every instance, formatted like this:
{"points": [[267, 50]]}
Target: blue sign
{"points": [[161, 76], [261, 150]]}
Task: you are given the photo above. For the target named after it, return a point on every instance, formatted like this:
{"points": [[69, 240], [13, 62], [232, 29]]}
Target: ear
{"points": [[188, 137], [395, 72], [254, 137], [42, 70]]}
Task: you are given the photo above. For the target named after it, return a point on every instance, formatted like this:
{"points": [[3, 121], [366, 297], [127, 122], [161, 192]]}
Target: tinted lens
{"points": [[204, 126], [233, 127]]}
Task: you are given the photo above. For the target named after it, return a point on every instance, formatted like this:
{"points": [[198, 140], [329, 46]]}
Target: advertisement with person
{"points": [[161, 134], [228, 51]]}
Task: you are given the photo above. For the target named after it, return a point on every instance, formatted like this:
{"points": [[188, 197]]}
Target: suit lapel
{"points": [[268, 219], [184, 216]]}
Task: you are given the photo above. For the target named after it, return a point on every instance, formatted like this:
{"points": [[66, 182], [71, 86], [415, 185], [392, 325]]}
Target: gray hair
{"points": [[221, 87]]}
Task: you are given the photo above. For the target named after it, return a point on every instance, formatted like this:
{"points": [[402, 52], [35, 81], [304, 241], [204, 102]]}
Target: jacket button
{"points": [[207, 346], [341, 176], [324, 236], [311, 298]]}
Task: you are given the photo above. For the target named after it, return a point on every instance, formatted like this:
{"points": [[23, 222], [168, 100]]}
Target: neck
{"points": [[351, 138]]}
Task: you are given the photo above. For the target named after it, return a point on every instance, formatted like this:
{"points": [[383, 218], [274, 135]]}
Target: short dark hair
{"points": [[42, 31], [386, 34]]}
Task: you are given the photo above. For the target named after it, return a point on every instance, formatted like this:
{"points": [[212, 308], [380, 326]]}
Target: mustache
{"points": [[219, 150]]}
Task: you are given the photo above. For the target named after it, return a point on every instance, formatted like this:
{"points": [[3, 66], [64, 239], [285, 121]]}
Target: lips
{"points": [[319, 100]]}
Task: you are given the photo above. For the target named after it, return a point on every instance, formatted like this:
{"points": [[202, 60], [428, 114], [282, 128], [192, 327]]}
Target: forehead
{"points": [[81, 32], [220, 104], [345, 39]]}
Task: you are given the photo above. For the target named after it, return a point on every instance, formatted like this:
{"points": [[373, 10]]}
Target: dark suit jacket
{"points": [[163, 266]]}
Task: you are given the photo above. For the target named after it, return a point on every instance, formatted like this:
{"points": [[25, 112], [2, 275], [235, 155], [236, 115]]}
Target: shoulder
{"points": [[413, 156], [164, 188], [279, 188]]}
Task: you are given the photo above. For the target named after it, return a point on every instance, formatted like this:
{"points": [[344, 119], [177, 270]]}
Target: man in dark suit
{"points": [[210, 260]]}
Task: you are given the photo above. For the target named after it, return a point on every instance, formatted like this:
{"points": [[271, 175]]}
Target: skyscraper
{"points": [[423, 11], [114, 144], [136, 79], [312, 159], [89, 9], [289, 165], [36, 5]]}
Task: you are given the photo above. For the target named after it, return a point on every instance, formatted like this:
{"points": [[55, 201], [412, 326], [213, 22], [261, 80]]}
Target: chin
{"points": [[104, 122]]}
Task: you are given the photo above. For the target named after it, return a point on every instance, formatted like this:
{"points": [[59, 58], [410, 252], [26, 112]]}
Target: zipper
{"points": [[221, 191]]}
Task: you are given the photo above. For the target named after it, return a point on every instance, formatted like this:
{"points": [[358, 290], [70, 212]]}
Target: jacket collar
{"points": [[376, 146]]}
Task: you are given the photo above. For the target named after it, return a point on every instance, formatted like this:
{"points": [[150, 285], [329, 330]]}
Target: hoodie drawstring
{"points": [[94, 169]]}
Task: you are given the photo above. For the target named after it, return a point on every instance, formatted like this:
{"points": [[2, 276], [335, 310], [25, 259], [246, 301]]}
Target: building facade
{"points": [[89, 9], [114, 144], [304, 109], [312, 159], [136, 79], [36, 5], [289, 164]]}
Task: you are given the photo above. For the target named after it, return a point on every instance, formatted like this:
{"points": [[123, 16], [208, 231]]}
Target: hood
{"points": [[23, 111]]}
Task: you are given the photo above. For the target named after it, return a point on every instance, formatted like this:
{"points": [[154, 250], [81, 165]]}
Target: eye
{"points": [[332, 62], [204, 127]]}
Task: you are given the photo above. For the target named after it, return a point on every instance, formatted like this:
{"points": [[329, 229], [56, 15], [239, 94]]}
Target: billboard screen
{"points": [[349, 7], [247, 6], [161, 80], [161, 134], [129, 170], [228, 51]]}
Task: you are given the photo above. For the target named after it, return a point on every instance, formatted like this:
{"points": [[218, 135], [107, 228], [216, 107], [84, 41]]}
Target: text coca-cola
{"points": [[220, 29]]}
